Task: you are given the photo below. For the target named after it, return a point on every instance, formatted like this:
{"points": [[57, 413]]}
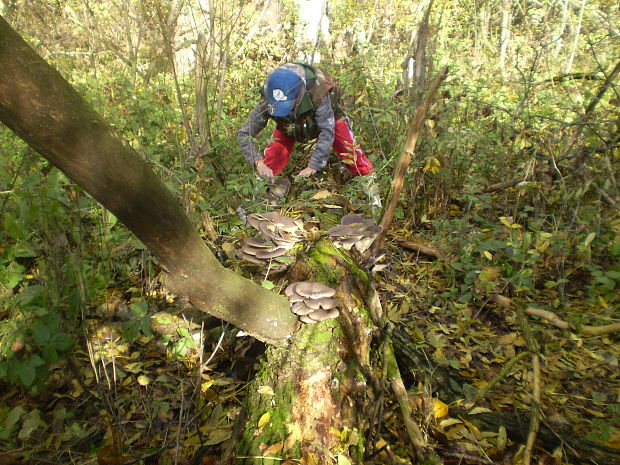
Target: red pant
{"points": [[278, 152]]}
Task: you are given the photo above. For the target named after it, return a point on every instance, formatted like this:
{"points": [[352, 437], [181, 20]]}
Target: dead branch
{"points": [[400, 392], [556, 321], [549, 316], [405, 158], [429, 251], [502, 185], [535, 419], [596, 76]]}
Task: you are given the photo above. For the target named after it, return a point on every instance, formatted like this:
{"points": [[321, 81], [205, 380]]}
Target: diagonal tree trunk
{"points": [[44, 110]]}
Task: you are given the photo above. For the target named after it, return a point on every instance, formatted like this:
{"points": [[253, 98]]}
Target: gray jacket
{"points": [[258, 119]]}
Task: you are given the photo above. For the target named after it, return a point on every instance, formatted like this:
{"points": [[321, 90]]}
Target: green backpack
{"points": [[319, 83]]}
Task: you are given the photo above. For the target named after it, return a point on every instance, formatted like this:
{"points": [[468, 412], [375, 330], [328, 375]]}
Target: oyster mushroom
{"points": [[354, 231], [313, 290], [282, 230], [325, 303], [261, 252], [300, 308], [322, 315]]}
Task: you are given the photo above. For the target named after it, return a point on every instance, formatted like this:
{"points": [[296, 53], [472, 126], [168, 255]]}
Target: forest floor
{"points": [[162, 383]]}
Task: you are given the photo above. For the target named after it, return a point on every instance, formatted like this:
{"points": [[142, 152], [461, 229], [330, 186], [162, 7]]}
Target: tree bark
{"points": [[44, 110], [505, 33]]}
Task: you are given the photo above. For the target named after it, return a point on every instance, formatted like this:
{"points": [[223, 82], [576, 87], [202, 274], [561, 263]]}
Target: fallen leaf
{"points": [[440, 409], [274, 448], [322, 194]]}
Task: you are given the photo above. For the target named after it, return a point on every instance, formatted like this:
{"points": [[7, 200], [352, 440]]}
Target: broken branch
{"points": [[405, 158], [429, 251], [535, 419], [555, 320]]}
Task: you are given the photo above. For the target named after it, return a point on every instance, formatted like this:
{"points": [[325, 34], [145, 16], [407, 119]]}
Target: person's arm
{"points": [[324, 116], [255, 123]]}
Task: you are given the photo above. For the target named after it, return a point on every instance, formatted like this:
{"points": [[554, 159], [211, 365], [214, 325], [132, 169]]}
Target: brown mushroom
{"points": [[306, 319]]}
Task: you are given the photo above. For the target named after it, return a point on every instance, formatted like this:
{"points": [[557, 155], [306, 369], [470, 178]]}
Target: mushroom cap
{"points": [[323, 302], [313, 290], [275, 221], [322, 315], [300, 308], [363, 244], [258, 243], [306, 319], [353, 218], [250, 258], [289, 291], [271, 253]]}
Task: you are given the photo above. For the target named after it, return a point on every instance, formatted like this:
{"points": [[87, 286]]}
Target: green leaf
{"points": [[268, 284], [13, 417], [26, 369], [41, 334], [139, 308]]}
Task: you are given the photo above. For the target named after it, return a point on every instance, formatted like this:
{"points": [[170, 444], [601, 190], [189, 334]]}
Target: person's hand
{"points": [[306, 172], [263, 170]]}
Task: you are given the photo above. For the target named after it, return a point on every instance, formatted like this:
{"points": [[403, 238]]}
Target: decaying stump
{"points": [[310, 398]]}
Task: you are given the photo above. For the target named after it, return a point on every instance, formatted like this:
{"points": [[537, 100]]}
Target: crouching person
{"points": [[304, 103]]}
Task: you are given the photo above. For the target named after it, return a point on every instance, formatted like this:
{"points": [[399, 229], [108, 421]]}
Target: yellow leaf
{"points": [[488, 254], [264, 419], [322, 194], [274, 448], [143, 380], [509, 338], [440, 409], [589, 239], [449, 422], [294, 436], [431, 123], [477, 410]]}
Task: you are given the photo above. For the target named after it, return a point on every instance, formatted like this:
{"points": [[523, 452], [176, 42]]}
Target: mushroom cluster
{"points": [[354, 230], [279, 233], [260, 251], [281, 230], [312, 302]]}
